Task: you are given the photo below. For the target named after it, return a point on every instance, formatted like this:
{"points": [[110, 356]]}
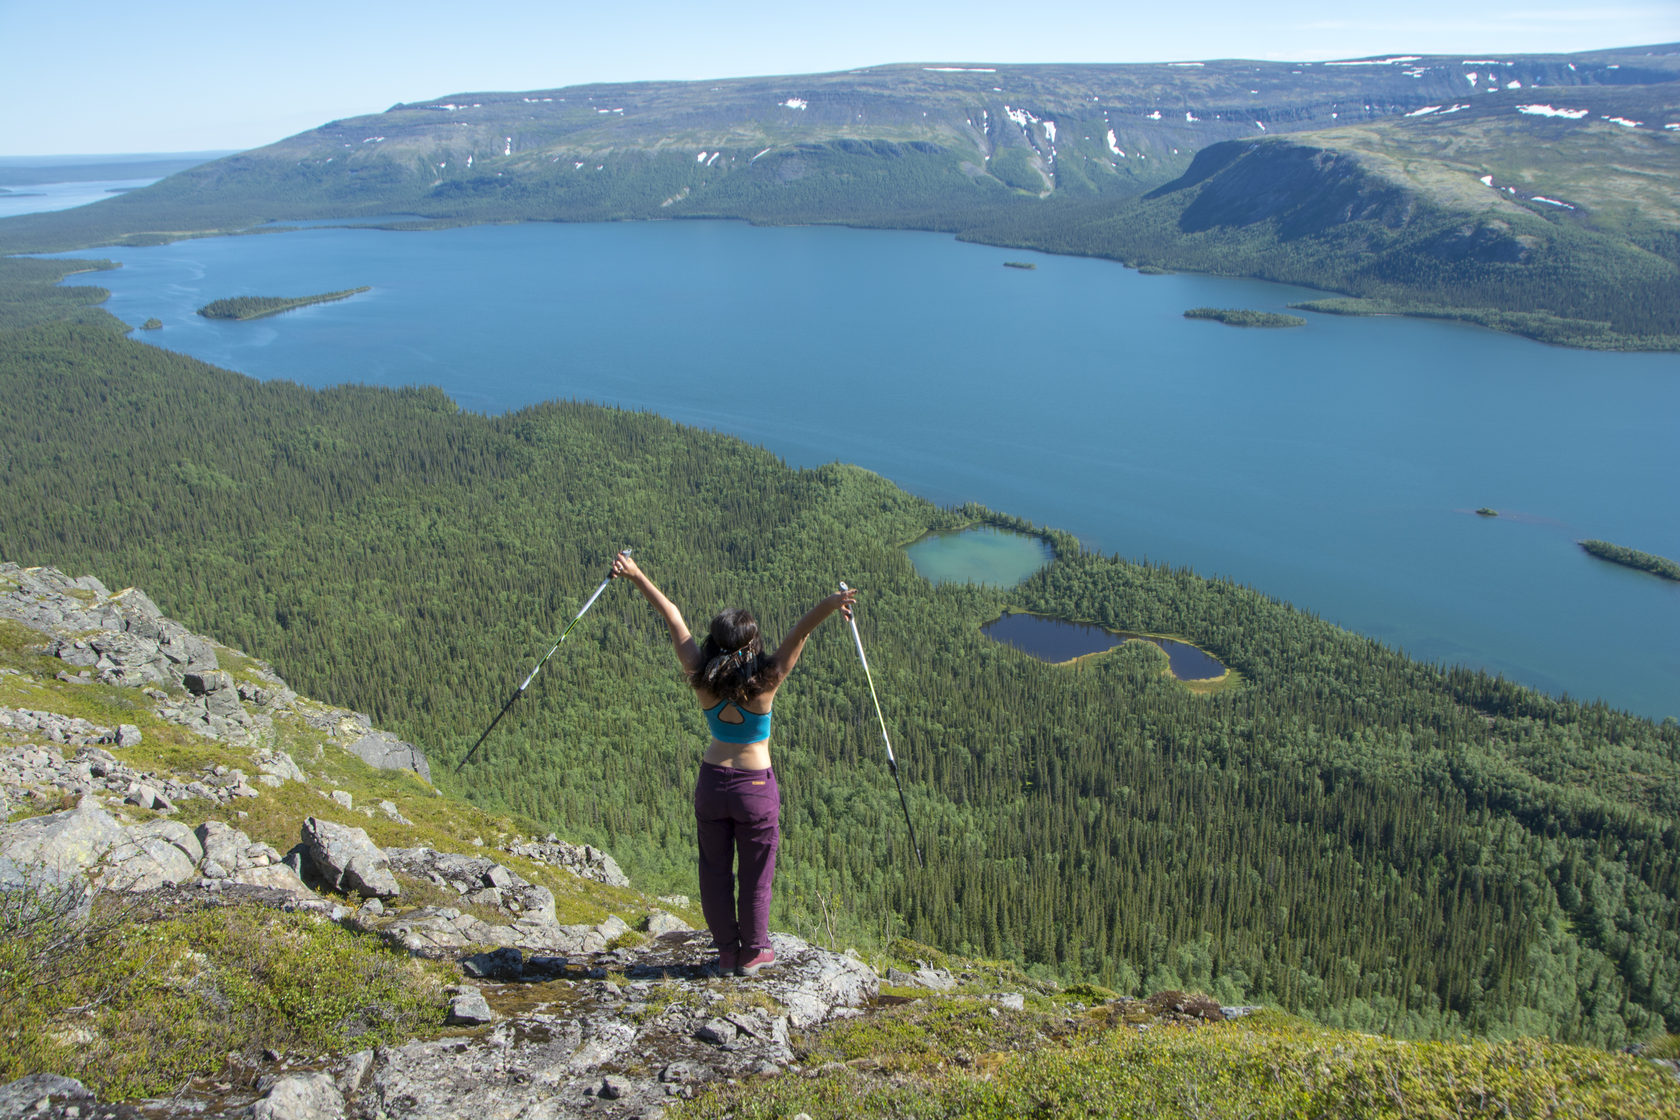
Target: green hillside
{"points": [[1363, 177], [1348, 833]]}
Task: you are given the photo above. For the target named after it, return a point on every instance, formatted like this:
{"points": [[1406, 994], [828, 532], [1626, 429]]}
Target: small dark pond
{"points": [[1055, 639]]}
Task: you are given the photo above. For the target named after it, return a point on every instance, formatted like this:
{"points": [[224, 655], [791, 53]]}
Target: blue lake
{"points": [[37, 198], [1336, 465]]}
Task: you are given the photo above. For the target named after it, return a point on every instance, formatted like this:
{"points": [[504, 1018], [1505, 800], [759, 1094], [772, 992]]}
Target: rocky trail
{"points": [[546, 1019]]}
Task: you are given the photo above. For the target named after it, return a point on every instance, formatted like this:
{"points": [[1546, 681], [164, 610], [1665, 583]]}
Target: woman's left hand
{"points": [[844, 601]]}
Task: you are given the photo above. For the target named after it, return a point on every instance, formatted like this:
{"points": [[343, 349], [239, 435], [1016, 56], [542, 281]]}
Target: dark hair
{"points": [[733, 664]]}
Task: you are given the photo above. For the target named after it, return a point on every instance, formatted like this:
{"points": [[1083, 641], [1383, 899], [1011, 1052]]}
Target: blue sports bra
{"points": [[753, 727]]}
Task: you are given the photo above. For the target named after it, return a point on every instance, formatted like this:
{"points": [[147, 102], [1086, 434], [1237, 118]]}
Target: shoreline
{"points": [[1492, 660]]}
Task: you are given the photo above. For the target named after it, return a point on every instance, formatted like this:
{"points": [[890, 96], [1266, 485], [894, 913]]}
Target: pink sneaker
{"points": [[758, 960], [728, 961]]}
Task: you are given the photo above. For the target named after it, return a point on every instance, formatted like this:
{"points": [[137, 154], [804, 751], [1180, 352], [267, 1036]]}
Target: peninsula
{"points": [[1241, 317], [1633, 558]]}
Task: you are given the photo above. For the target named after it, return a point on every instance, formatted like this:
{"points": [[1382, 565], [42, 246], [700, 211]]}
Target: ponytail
{"points": [[733, 664]]}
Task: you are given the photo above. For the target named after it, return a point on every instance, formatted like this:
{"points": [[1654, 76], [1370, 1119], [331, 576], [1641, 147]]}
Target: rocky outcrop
{"points": [[581, 860], [555, 1020], [43, 773], [89, 845], [612, 1047], [477, 880], [301, 1096], [356, 734], [124, 639], [39, 1093], [58, 847], [347, 860]]}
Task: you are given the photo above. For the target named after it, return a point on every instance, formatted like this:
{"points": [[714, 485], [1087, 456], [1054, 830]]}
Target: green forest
{"points": [[1348, 833]]}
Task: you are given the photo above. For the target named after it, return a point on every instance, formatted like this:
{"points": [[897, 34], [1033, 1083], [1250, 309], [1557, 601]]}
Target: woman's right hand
{"points": [[624, 566], [843, 601]]}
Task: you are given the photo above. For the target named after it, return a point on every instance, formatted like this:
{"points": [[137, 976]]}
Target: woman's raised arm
{"points": [[687, 652], [787, 654]]}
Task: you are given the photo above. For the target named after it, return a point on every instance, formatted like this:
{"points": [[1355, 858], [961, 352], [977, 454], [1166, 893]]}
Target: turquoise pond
{"points": [[1337, 465], [983, 554]]}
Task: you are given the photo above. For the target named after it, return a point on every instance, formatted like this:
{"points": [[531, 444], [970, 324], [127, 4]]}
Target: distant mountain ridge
{"points": [[1562, 169]]}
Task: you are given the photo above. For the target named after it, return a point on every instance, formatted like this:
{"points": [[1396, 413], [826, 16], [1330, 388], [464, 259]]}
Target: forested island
{"points": [[260, 307], [1633, 558], [1347, 833], [1019, 264], [1240, 317]]}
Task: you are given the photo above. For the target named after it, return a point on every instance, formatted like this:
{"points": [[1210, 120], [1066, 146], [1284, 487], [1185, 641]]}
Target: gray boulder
{"points": [[384, 751], [276, 876], [205, 682], [173, 832], [301, 1096], [222, 844], [277, 768], [469, 1008], [348, 860], [147, 862], [503, 965], [20, 1097], [663, 921], [925, 976], [63, 845], [811, 983]]}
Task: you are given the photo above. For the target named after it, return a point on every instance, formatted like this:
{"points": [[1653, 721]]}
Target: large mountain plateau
{"points": [[1530, 192]]}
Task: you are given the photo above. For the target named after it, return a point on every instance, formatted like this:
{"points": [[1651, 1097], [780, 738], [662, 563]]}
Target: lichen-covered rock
{"points": [[925, 976], [301, 1096], [275, 876], [487, 881], [663, 921], [24, 1096], [348, 860], [581, 860], [64, 845], [277, 767], [147, 862], [469, 1008], [356, 733], [615, 1048]]}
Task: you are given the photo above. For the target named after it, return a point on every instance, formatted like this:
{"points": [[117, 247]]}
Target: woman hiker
{"points": [[736, 804]]}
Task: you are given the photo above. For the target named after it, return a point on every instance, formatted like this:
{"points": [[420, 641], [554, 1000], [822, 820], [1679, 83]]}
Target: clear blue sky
{"points": [[88, 76]]}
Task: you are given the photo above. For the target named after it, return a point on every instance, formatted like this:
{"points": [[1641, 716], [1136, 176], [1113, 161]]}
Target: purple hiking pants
{"points": [[738, 813]]}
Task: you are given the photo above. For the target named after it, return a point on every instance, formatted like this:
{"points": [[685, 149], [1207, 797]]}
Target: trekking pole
{"points": [[520, 691], [892, 763]]}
